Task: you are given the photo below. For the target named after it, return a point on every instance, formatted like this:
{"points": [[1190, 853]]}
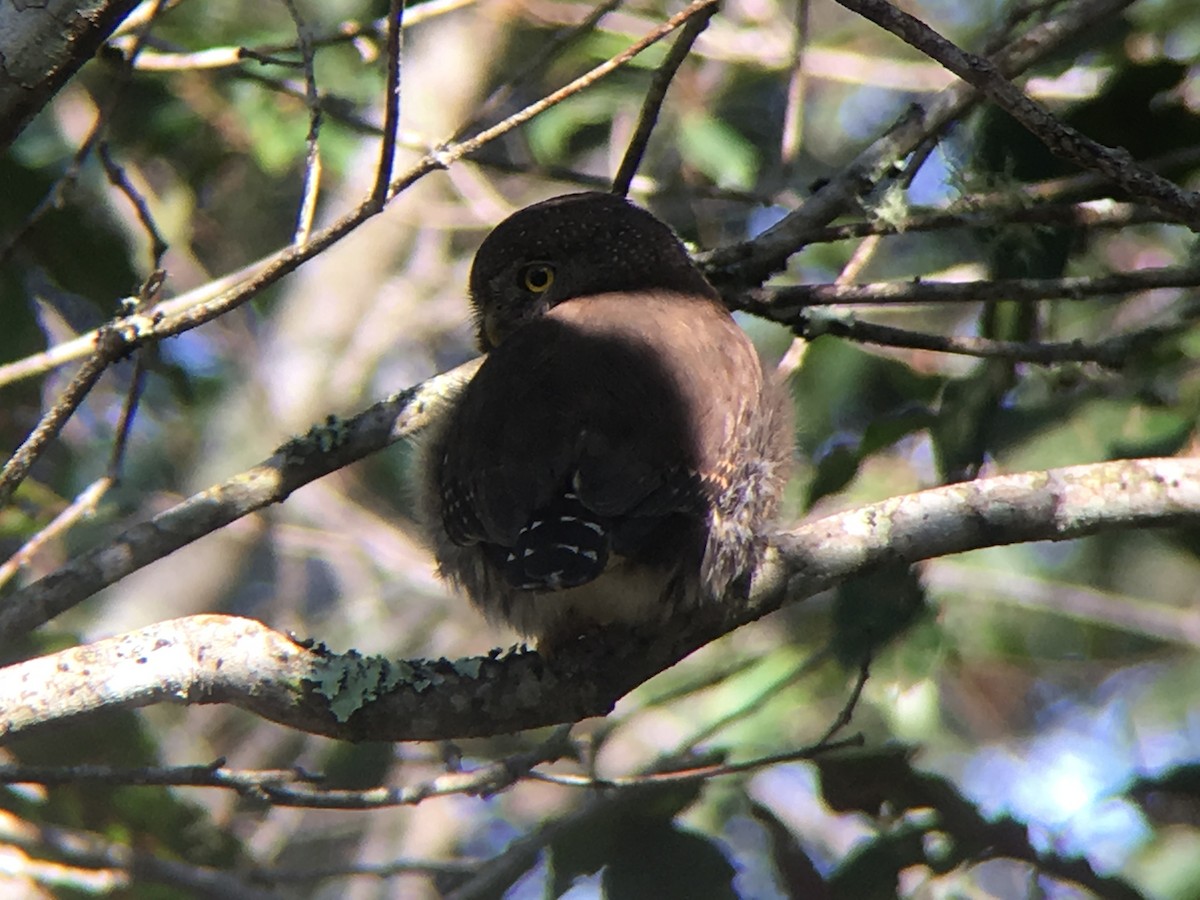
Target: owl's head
{"points": [[571, 247]]}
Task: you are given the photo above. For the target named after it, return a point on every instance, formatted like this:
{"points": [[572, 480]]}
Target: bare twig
{"points": [[81, 507], [116, 175], [751, 262], [1110, 354], [1061, 139], [695, 8], [677, 771], [1087, 214], [52, 422], [792, 133], [1084, 185], [311, 185], [782, 303], [460, 865], [150, 291], [137, 384], [481, 782], [552, 49], [859, 259], [755, 701], [391, 104], [846, 713], [655, 95], [247, 781]]}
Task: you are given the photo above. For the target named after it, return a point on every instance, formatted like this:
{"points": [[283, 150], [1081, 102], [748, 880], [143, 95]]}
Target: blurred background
{"points": [[1054, 684]]}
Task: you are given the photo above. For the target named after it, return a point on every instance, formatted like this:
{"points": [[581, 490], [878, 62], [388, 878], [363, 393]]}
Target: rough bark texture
{"points": [[42, 44], [223, 659]]}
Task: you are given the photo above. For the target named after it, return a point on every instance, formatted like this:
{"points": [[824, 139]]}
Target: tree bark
{"points": [[42, 44]]}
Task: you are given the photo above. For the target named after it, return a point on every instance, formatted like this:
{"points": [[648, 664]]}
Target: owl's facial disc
{"points": [[520, 293]]}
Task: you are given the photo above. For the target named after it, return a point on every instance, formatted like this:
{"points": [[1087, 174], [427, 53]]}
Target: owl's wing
{"points": [[589, 425]]}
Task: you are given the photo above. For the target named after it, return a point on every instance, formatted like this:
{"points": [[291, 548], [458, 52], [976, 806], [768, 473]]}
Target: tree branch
{"points": [[780, 304], [324, 449], [41, 46], [223, 659], [751, 262], [212, 301], [1060, 139]]}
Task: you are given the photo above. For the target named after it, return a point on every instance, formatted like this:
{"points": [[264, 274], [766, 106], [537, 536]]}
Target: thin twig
{"points": [[391, 104], [1061, 139], [1110, 354], [52, 422], [757, 700], [792, 133], [468, 147], [216, 774], [684, 773], [1083, 185], [1087, 214], [81, 507], [149, 293], [311, 188], [117, 176], [791, 361], [847, 711], [137, 384], [460, 866], [781, 303], [482, 782], [655, 95], [550, 51]]}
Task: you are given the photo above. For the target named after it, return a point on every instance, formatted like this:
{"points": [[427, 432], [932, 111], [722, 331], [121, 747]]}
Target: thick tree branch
{"points": [[1062, 140], [324, 449], [41, 46], [751, 262], [735, 267], [127, 333], [221, 659]]}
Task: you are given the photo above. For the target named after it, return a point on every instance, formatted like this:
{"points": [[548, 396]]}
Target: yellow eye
{"points": [[537, 277]]}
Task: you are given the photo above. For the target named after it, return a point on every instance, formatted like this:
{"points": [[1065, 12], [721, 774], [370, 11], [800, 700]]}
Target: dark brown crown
{"points": [[596, 243]]}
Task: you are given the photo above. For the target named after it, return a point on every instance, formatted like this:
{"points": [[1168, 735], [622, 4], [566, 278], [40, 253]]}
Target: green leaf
{"points": [[551, 134], [872, 611], [721, 153]]}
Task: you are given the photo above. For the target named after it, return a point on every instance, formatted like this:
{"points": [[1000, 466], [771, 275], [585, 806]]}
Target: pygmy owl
{"points": [[617, 455]]}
